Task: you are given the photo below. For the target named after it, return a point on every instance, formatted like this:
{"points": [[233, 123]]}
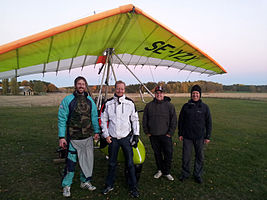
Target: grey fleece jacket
{"points": [[159, 117]]}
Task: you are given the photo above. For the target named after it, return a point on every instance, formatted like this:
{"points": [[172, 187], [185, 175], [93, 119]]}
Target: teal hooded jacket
{"points": [[63, 114]]}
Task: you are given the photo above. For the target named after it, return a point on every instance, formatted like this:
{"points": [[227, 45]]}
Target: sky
{"points": [[232, 32]]}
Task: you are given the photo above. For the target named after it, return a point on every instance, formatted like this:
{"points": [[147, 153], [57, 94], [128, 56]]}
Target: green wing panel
{"points": [[136, 37]]}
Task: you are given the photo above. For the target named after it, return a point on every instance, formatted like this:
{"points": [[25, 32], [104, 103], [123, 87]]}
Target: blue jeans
{"points": [[113, 150]]}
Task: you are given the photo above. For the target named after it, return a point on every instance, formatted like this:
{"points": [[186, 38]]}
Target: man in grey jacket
{"points": [[159, 123]]}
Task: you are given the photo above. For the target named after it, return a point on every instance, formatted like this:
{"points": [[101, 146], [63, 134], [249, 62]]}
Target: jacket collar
{"points": [[119, 99], [195, 102], [164, 99]]}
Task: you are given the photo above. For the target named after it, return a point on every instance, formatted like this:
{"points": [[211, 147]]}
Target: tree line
{"points": [[245, 88], [177, 87], [35, 86], [39, 87], [206, 86]]}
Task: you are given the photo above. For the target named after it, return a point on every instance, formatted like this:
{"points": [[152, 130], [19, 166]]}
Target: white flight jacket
{"points": [[119, 116]]}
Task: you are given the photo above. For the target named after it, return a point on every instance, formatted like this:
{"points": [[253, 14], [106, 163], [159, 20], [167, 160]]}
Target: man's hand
{"points": [[63, 143], [206, 141], [181, 138], [168, 135], [148, 134], [135, 141], [108, 139]]}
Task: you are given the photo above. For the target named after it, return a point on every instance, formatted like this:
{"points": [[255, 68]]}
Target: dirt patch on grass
{"points": [[55, 99], [29, 101]]}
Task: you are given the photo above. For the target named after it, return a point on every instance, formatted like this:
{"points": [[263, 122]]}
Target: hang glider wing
{"points": [[136, 38]]}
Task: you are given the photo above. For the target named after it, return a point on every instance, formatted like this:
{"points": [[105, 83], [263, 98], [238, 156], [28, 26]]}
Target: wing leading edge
{"points": [[136, 38]]}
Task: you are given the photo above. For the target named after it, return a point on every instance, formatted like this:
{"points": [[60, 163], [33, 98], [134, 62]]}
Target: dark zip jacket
{"points": [[159, 117], [195, 121]]}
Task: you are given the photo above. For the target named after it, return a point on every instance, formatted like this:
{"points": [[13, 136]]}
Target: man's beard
{"points": [[78, 90]]}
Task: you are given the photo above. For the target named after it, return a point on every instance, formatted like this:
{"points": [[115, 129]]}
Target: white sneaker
{"points": [[66, 191], [87, 185], [169, 177], [158, 174]]}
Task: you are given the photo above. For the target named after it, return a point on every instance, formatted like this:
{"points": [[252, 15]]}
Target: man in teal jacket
{"points": [[77, 125]]}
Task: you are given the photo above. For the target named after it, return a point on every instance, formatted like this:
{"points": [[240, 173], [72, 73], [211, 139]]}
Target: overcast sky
{"points": [[233, 32]]}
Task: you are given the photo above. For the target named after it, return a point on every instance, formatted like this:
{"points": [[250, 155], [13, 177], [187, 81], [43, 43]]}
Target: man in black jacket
{"points": [[194, 129], [159, 123]]}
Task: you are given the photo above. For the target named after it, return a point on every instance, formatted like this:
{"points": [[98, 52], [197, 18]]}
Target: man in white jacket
{"points": [[118, 119]]}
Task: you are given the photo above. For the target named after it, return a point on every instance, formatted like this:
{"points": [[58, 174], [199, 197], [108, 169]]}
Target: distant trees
{"points": [[252, 88], [181, 87], [39, 87], [93, 89], [132, 88], [14, 86], [5, 86], [52, 88], [245, 88], [184, 87], [25, 83], [209, 86], [69, 89], [173, 87], [36, 86], [135, 88], [206, 86]]}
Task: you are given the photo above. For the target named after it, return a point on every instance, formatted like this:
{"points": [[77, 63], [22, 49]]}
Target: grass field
{"points": [[235, 160]]}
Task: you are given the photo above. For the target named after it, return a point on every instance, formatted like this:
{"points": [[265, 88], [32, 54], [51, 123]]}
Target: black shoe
{"points": [[134, 193], [107, 190], [182, 178], [198, 180]]}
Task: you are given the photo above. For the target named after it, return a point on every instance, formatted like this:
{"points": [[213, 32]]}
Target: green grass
{"points": [[235, 160]]}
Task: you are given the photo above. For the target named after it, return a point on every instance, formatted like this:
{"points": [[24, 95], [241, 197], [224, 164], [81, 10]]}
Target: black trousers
{"points": [[199, 157], [163, 150]]}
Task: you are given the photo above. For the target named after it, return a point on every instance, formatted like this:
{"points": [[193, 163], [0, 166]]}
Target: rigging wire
{"points": [[151, 73], [188, 76]]}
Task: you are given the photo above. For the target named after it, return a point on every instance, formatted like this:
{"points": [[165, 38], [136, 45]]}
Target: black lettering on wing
{"points": [[163, 48], [183, 56], [155, 45]]}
